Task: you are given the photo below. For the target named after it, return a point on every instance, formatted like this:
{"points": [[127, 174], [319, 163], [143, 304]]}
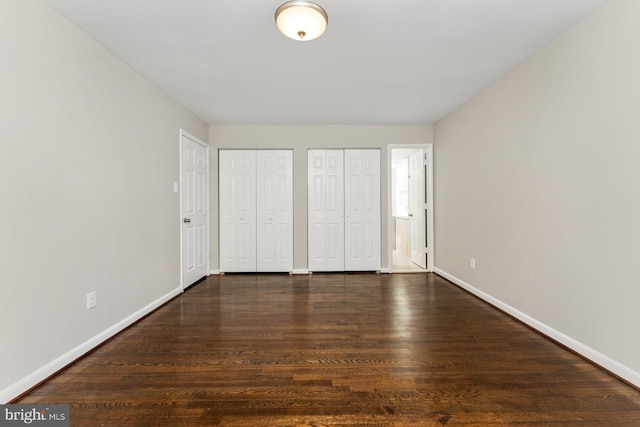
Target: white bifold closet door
{"points": [[256, 210], [326, 210], [344, 210], [237, 181], [274, 210], [362, 210]]}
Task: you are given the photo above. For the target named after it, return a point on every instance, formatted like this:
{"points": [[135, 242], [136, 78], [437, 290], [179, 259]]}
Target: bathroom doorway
{"points": [[411, 229]]}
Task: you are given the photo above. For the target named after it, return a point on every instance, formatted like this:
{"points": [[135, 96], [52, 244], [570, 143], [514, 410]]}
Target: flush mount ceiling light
{"points": [[301, 20]]}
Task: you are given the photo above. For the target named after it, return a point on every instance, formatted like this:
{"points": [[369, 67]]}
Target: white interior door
{"points": [[195, 208], [237, 193], [326, 210], [274, 210], [362, 210], [417, 208]]}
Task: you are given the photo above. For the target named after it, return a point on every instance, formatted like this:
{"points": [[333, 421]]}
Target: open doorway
{"points": [[411, 218]]}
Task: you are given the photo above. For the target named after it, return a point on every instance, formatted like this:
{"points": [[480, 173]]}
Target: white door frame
{"points": [[184, 133], [428, 148]]}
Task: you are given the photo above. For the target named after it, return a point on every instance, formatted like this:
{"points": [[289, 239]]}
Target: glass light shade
{"points": [[301, 20]]}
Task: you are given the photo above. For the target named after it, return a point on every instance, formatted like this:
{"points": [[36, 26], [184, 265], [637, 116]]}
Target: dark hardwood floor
{"points": [[335, 350]]}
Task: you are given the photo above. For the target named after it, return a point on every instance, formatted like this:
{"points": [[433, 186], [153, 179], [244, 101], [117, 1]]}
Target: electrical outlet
{"points": [[91, 300], [472, 263]]}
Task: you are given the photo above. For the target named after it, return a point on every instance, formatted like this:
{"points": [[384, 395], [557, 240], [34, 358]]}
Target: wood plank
{"points": [[335, 350]]}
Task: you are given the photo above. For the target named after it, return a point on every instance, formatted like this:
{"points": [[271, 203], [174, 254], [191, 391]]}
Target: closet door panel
{"points": [[362, 210], [316, 230], [353, 241], [371, 209], [237, 210], [334, 197], [325, 210], [274, 210]]}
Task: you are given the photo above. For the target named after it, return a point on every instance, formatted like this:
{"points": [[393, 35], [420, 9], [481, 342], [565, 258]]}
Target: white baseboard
{"points": [[214, 272], [300, 271], [589, 353], [31, 380], [385, 270]]}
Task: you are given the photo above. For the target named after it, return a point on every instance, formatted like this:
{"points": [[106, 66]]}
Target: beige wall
{"points": [[300, 139], [538, 177], [89, 153]]}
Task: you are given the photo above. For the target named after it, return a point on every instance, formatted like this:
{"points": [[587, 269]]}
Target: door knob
{"points": [[186, 220], [410, 214]]}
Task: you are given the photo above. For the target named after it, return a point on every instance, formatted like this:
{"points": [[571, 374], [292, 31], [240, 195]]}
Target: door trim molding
{"points": [[428, 148], [185, 134]]}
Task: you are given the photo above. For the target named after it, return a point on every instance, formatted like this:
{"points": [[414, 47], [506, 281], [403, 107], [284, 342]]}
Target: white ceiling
{"points": [[379, 62]]}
